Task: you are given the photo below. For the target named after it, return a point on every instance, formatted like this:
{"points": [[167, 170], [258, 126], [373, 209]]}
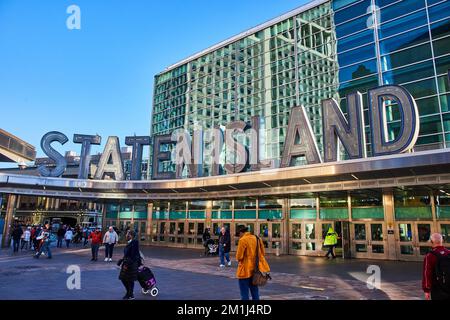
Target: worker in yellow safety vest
{"points": [[330, 242]]}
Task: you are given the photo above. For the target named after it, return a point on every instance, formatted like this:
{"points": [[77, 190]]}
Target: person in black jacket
{"points": [[206, 237], [16, 236], [129, 264], [224, 247]]}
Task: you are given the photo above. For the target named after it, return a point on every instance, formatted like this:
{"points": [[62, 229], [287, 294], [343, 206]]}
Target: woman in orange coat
{"points": [[246, 257]]}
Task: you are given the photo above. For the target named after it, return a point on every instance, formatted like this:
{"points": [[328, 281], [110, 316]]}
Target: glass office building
{"points": [[326, 51]]}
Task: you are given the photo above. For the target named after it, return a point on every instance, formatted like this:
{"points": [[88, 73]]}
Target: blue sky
{"points": [[100, 79]]}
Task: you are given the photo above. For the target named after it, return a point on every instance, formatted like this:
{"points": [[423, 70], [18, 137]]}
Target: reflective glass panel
{"points": [[424, 231], [400, 8], [310, 231], [352, 26], [405, 232], [376, 229], [353, 11], [445, 231], [360, 231], [404, 40], [399, 25], [356, 55], [296, 231], [355, 40], [439, 11]]}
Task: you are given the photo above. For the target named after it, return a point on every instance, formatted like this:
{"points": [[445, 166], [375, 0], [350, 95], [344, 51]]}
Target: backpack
{"points": [[442, 271]]}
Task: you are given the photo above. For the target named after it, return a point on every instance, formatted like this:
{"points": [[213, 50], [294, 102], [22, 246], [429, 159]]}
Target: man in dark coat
{"points": [[224, 247], [16, 235], [129, 264]]}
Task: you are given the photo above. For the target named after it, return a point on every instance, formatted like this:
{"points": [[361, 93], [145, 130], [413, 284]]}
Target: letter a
{"points": [[74, 20]]}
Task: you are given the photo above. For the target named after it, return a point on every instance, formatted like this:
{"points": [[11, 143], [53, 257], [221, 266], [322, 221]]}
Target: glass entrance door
{"points": [[271, 235], [303, 239], [368, 240], [195, 233], [413, 240]]}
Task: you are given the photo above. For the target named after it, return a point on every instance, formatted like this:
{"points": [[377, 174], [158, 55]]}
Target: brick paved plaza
{"points": [[185, 274]]}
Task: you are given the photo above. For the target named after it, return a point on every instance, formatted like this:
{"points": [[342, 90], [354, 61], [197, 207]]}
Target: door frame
{"points": [[415, 241], [369, 254]]}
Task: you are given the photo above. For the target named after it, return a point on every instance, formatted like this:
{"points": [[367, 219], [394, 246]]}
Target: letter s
{"points": [[61, 162]]}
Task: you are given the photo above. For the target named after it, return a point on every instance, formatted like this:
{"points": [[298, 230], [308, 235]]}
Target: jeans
{"points": [[94, 249], [59, 243], [67, 243], [25, 244], [45, 247], [223, 254], [16, 244], [330, 251], [109, 247], [245, 285]]}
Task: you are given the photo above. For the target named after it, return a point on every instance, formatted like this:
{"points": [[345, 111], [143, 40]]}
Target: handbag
{"points": [[259, 278]]}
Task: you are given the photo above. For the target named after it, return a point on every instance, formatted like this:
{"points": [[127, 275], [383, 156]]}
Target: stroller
{"points": [[147, 281], [211, 248]]}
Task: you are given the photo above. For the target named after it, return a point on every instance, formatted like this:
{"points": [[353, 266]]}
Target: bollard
{"points": [[277, 248]]}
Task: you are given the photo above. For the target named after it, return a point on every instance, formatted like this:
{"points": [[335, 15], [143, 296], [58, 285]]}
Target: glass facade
{"points": [[329, 51]]}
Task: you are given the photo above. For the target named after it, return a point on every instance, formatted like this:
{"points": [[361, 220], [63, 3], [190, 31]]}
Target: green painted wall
{"points": [[245, 214], [333, 213], [368, 213], [222, 214], [303, 214], [406, 213]]}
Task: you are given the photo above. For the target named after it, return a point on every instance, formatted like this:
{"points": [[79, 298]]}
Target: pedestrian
{"points": [[46, 239], [38, 238], [249, 246], [61, 232], [330, 242], [96, 240], [436, 270], [205, 237], [33, 238], [109, 240], [68, 236], [129, 264], [26, 239], [224, 246], [16, 235], [86, 233]]}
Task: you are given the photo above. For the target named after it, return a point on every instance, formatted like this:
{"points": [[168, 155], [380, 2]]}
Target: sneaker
{"points": [[125, 297], [131, 298], [110, 260], [222, 265], [106, 259], [229, 263]]}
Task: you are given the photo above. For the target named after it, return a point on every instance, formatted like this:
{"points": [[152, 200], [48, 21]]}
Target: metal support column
{"points": [[286, 234], [389, 218], [149, 222], [12, 198]]}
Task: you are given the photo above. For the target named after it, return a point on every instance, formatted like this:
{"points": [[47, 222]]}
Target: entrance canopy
{"points": [[426, 168]]}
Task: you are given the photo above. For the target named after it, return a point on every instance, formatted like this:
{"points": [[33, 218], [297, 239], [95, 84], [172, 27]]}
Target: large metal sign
{"points": [[238, 142]]}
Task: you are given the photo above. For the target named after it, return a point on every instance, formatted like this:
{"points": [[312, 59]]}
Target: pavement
{"points": [[184, 274]]}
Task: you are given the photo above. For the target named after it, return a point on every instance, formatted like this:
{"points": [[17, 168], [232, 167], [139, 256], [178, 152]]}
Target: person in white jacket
{"points": [[26, 239], [68, 236], [109, 240]]}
